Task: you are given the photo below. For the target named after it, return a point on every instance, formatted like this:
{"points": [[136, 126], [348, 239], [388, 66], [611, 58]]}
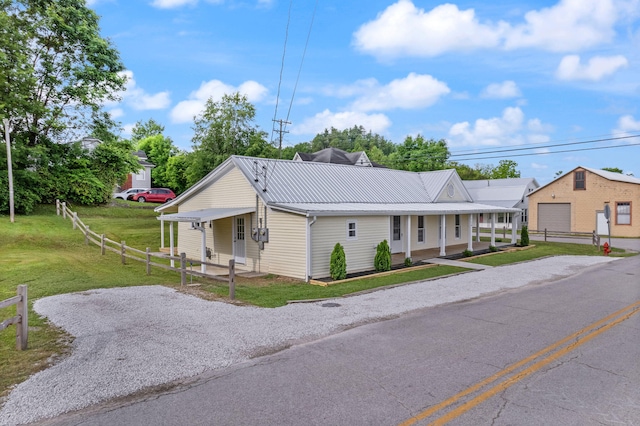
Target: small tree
{"points": [[524, 236], [338, 266], [382, 261]]}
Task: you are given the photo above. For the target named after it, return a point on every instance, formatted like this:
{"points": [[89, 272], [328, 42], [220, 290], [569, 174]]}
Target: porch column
{"points": [[408, 233], [470, 244], [493, 229], [173, 263], [514, 229], [443, 232], [161, 231], [477, 227], [203, 250]]}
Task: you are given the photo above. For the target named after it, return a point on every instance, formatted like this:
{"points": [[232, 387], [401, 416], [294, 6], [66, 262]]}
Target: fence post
{"points": [[64, 209], [102, 244], [148, 261], [57, 207], [122, 251], [504, 232], [232, 279], [86, 235], [545, 235], [183, 269], [22, 329], [75, 220]]}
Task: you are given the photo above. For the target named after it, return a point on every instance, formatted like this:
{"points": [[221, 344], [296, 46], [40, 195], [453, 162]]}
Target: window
{"points": [[458, 228], [352, 230], [141, 175], [420, 229], [524, 216], [579, 180], [501, 217], [623, 213]]}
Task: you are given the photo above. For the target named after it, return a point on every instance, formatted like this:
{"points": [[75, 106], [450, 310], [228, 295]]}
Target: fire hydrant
{"points": [[606, 249]]}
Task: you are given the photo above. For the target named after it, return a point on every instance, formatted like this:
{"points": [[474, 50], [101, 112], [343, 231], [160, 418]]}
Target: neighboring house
{"points": [[337, 156], [285, 217], [510, 192], [141, 179], [575, 202]]}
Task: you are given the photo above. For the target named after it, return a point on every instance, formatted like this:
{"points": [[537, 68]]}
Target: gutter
{"points": [[310, 224]]}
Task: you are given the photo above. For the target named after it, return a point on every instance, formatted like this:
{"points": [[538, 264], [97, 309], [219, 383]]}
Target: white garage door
{"points": [[554, 217]]}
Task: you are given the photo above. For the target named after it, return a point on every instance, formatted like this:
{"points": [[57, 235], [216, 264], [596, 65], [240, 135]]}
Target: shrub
{"points": [[493, 248], [408, 262], [382, 261], [338, 266], [467, 253], [524, 236]]}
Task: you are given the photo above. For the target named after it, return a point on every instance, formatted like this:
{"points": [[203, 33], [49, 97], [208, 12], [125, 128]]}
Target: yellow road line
{"points": [[633, 308]]}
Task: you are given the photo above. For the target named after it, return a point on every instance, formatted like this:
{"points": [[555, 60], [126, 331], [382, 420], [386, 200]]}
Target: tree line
{"points": [[56, 76]]}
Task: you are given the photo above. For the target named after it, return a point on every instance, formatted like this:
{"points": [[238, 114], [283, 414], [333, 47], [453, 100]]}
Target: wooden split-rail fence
{"points": [[21, 319], [146, 256]]}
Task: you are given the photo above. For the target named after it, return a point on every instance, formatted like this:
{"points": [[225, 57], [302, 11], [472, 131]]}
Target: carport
{"points": [[198, 219]]}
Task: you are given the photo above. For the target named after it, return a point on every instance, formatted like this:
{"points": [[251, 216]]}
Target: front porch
{"points": [[420, 255]]}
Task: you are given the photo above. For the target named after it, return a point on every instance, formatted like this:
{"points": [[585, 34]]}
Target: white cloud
{"points": [[505, 90], [376, 123], [116, 113], [402, 29], [509, 129], [139, 99], [627, 125], [597, 68], [537, 166], [128, 128], [568, 25], [186, 110], [170, 4], [414, 91]]}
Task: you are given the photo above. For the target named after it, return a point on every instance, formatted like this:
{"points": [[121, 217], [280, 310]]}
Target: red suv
{"points": [[155, 195]]}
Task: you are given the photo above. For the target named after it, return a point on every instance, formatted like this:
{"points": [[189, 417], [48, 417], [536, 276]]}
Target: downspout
{"points": [[315, 218], [203, 249]]}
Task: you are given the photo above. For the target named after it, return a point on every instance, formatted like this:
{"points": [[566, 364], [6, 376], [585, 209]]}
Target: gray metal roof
{"points": [[426, 209], [310, 182], [206, 215]]}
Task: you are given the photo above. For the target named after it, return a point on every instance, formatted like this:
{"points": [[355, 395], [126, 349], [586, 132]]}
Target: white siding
{"points": [[359, 253]]}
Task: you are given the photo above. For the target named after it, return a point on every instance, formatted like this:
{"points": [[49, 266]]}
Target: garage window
{"points": [[623, 213], [579, 180]]}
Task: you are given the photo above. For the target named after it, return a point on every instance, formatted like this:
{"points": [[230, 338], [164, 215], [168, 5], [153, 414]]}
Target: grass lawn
{"points": [[44, 252]]}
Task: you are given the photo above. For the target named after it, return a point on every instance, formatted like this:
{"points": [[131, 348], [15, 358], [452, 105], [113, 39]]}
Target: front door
{"points": [[396, 234], [238, 240]]}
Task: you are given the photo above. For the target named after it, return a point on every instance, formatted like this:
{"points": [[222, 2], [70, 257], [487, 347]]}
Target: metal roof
{"points": [[371, 209], [309, 182], [205, 215]]}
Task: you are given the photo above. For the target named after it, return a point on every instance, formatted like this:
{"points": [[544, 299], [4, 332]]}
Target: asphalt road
{"points": [[564, 352]]}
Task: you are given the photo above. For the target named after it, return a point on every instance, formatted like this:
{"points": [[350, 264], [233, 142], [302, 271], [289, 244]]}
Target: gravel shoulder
{"points": [[127, 339]]}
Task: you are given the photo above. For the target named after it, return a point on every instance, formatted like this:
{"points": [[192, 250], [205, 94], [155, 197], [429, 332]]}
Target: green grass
{"points": [[272, 294], [541, 249], [43, 251]]}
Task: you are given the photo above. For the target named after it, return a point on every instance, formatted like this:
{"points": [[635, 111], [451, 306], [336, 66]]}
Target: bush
{"points": [[467, 253], [338, 266], [493, 248], [382, 261], [524, 236], [408, 262]]}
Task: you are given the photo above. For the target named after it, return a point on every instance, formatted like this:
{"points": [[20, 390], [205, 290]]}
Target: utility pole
{"points": [[9, 168], [281, 132]]}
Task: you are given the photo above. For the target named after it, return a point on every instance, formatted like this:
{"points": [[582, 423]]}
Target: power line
{"points": [[544, 146]]}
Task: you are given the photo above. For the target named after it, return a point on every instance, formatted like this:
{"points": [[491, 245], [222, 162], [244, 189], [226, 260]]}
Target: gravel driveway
{"points": [[127, 339]]}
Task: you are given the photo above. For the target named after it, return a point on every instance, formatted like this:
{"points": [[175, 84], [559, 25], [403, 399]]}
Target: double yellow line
{"points": [[576, 339]]}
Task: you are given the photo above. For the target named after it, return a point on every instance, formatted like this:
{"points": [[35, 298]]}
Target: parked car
{"points": [[154, 195], [129, 193]]}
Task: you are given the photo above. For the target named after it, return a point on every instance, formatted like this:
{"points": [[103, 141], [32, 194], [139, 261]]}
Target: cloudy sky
{"points": [[557, 83]]}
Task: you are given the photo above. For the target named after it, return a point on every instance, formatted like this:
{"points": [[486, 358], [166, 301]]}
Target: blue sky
{"points": [[485, 76]]}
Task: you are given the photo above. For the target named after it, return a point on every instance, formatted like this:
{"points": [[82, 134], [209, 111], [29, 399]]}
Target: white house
{"points": [[512, 192], [285, 217]]}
